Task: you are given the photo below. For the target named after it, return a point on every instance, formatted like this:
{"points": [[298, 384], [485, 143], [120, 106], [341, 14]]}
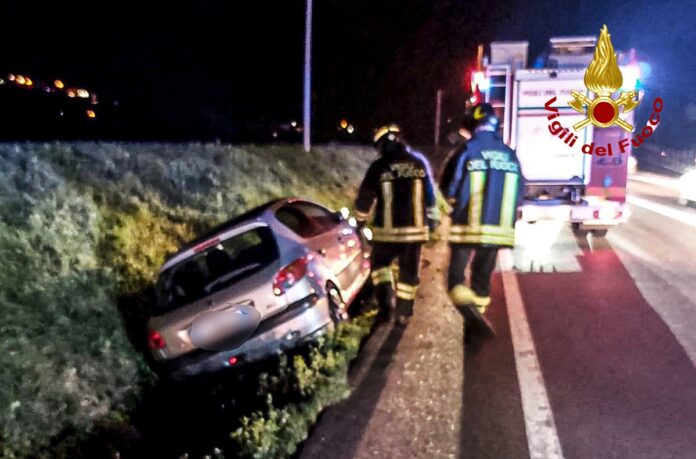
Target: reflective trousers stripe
{"points": [[362, 216], [406, 291], [382, 276]]}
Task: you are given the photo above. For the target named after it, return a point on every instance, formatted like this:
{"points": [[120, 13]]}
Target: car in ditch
{"points": [[258, 284]]}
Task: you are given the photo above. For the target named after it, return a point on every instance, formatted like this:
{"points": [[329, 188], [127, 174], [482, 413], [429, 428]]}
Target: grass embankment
{"points": [[83, 228]]}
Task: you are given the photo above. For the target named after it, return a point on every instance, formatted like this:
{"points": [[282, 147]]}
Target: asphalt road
{"points": [[595, 353]]}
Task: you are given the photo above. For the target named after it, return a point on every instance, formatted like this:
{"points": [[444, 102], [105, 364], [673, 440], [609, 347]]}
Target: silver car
{"points": [[262, 282]]}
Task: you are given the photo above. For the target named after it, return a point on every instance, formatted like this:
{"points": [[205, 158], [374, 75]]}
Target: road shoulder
{"points": [[407, 386]]}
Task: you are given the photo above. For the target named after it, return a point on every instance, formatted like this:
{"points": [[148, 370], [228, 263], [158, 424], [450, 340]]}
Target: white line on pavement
{"points": [[542, 437], [665, 182], [675, 214]]}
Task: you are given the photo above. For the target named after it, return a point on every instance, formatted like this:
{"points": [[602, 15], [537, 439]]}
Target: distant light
{"points": [[91, 114], [352, 221], [71, 93], [28, 82], [350, 129], [293, 123], [2, 81], [345, 212], [11, 77], [479, 79], [94, 100], [82, 93], [631, 77], [58, 84], [232, 360], [20, 79], [344, 124]]}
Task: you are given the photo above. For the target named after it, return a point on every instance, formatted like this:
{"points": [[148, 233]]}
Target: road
{"points": [[595, 353]]}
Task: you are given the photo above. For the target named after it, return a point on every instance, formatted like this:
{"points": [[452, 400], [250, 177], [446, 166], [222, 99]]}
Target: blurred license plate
{"points": [[534, 213]]}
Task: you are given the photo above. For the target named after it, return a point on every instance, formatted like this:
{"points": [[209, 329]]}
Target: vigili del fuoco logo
{"points": [[603, 78]]}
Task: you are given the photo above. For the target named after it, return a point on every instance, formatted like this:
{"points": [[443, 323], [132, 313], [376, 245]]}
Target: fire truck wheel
{"points": [[577, 230]]}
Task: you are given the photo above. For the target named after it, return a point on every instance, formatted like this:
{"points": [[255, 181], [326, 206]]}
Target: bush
{"points": [[84, 224], [317, 381]]}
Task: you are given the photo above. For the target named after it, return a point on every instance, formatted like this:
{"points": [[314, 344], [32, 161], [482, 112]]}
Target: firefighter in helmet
{"points": [[484, 191], [400, 189]]}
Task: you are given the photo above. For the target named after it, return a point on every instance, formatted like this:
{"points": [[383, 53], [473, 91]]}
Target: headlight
{"points": [[687, 182]]}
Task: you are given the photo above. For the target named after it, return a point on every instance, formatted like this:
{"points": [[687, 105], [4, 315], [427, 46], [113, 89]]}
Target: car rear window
{"points": [[306, 219], [215, 267]]}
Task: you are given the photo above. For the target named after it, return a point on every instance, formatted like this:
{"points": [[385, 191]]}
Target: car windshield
{"points": [[215, 267]]}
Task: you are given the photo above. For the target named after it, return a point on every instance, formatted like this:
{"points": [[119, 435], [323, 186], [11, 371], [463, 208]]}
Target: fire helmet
{"points": [[387, 139], [480, 115], [389, 132]]}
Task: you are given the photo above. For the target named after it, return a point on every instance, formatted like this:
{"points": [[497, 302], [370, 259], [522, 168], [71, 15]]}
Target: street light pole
{"points": [[438, 115], [308, 78]]}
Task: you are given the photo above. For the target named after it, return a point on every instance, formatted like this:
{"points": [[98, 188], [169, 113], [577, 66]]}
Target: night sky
{"points": [[207, 69]]}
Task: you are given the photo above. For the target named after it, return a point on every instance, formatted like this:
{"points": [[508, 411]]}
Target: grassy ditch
{"points": [[83, 228]]}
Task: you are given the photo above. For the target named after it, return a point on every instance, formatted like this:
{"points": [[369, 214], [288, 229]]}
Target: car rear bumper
{"points": [[300, 321]]}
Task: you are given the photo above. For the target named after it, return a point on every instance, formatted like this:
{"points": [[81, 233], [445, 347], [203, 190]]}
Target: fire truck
{"points": [[562, 183]]}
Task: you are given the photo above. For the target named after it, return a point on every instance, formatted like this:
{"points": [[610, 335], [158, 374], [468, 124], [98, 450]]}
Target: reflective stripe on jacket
{"points": [[486, 188], [399, 187]]}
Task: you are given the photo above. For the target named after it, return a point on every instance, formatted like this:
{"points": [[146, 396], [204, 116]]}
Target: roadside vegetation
{"points": [[83, 229]]}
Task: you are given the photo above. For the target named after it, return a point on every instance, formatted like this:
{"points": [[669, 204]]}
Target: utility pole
{"points": [[438, 116], [308, 78]]}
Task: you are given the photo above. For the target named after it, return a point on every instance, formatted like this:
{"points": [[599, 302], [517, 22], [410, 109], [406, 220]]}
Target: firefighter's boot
{"points": [[472, 307], [384, 295]]}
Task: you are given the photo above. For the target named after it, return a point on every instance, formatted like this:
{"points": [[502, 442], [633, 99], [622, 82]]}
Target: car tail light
{"points": [[606, 214], [290, 275], [156, 341]]}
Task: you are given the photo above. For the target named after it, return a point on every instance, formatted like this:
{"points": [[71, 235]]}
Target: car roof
{"points": [[225, 227]]}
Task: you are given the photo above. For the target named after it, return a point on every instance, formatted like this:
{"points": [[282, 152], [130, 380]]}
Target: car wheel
{"points": [[337, 307]]}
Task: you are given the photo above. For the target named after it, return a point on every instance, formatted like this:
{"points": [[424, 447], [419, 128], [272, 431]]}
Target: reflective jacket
{"points": [[402, 192], [485, 190]]}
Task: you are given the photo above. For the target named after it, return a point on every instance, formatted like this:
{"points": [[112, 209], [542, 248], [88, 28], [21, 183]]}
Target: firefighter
{"points": [[402, 192], [459, 141], [484, 192]]}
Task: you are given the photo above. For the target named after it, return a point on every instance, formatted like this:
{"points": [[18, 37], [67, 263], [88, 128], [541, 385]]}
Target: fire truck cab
{"points": [[562, 182]]}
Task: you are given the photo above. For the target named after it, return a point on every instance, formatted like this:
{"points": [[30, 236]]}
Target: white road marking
{"points": [[542, 437], [675, 214], [665, 182]]}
